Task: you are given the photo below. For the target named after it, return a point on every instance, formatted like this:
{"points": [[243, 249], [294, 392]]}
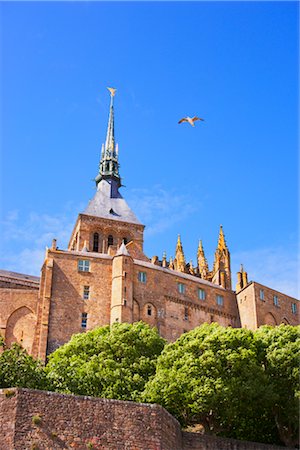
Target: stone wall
{"points": [[39, 420], [255, 311]]}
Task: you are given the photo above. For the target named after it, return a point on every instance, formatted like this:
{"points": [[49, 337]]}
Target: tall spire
{"points": [[221, 269], [179, 260], [202, 262], [109, 165], [221, 242]]}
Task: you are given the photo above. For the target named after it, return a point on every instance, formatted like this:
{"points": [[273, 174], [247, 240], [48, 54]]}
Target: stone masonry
{"points": [[39, 420]]}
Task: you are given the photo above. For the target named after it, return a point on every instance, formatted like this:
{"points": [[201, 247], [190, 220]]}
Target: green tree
{"points": [[280, 355], [18, 369], [212, 376], [107, 362]]}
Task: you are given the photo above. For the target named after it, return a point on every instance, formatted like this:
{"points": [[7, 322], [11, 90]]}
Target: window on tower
{"points": [[110, 240], [86, 292], [96, 242], [83, 265], [220, 300], [181, 288], [201, 294], [83, 320], [186, 313], [142, 277]]}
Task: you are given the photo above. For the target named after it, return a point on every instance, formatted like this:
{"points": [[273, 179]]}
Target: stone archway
{"points": [[270, 319], [285, 321], [20, 328]]}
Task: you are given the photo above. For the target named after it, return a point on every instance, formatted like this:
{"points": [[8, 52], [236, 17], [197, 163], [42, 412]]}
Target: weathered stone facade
{"points": [[32, 419], [104, 277]]}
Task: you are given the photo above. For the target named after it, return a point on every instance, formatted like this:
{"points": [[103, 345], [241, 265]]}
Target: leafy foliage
{"points": [[280, 353], [18, 369], [214, 376], [107, 362]]}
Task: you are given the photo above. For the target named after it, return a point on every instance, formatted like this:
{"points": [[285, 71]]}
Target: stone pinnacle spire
{"points": [[221, 242], [179, 260], [202, 261], [109, 165], [221, 269]]}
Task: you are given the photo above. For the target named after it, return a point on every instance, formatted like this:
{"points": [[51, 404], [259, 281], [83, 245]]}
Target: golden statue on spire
{"points": [[112, 91]]}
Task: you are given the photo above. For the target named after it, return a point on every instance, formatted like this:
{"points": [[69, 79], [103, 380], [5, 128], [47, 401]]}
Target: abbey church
{"points": [[104, 277]]}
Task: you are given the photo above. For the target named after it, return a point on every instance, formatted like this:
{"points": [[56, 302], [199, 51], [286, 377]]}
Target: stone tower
{"points": [[108, 221]]}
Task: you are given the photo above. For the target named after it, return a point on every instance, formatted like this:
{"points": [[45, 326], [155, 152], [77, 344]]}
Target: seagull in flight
{"points": [[190, 120]]}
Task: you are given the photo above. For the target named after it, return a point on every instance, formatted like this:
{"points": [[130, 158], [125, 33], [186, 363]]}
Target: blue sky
{"points": [[233, 63]]}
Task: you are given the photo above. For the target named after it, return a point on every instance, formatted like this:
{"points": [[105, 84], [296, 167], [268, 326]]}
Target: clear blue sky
{"points": [[234, 64]]}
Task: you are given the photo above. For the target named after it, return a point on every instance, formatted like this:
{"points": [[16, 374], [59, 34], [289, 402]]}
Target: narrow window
{"points": [[294, 308], [181, 288], [125, 240], [83, 320], [124, 302], [149, 310], [142, 277], [83, 265], [96, 242], [275, 300], [86, 292], [220, 300], [261, 294], [110, 240], [201, 294], [186, 313]]}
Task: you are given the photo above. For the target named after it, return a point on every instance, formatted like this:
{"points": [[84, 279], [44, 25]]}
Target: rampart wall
{"points": [[40, 420]]}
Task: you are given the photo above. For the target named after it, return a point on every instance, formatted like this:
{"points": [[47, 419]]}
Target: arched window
{"points": [[96, 242], [110, 240], [125, 240], [149, 310]]}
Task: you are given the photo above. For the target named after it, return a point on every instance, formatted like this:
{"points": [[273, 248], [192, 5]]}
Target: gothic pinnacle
{"points": [[221, 242]]}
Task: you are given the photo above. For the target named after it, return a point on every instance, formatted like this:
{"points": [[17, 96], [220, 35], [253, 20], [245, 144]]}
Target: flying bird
{"points": [[190, 120], [112, 91]]}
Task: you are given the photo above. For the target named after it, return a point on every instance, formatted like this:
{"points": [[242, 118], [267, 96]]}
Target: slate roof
{"points": [[19, 276], [108, 203]]}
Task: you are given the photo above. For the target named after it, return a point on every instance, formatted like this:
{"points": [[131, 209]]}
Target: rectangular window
{"points": [[220, 300], [294, 308], [275, 300], [142, 277], [83, 265], [186, 313], [83, 320], [201, 294], [261, 294], [181, 288], [86, 292]]}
